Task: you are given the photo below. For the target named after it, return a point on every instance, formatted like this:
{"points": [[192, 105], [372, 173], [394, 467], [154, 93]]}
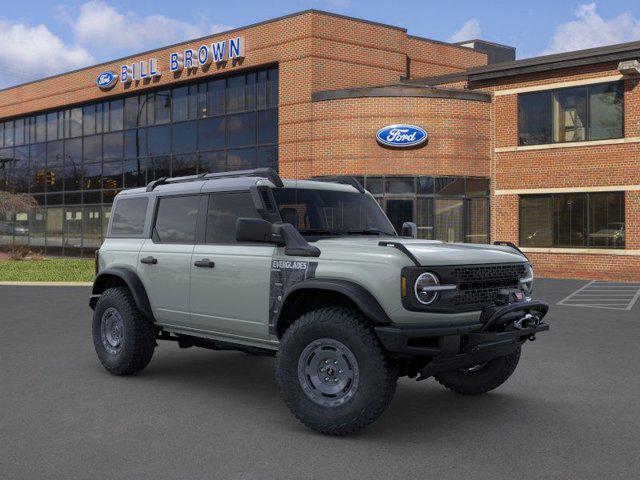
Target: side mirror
{"points": [[253, 230], [409, 229]]}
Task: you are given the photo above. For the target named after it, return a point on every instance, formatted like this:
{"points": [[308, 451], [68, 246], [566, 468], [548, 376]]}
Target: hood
{"points": [[428, 252]]}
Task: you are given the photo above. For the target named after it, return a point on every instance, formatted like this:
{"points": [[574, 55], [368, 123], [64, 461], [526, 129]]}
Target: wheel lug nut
{"points": [[340, 371], [335, 362], [326, 379]]}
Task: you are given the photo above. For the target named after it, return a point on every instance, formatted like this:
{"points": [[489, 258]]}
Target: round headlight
{"points": [[526, 282], [421, 288]]}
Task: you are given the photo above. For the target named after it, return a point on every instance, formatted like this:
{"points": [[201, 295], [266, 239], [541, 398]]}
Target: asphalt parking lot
{"points": [[571, 410]]}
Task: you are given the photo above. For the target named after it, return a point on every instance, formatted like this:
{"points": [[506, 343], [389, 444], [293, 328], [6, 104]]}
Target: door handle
{"points": [[204, 263], [149, 260]]}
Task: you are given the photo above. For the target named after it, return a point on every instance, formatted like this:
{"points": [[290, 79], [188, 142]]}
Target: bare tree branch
{"points": [[15, 202]]}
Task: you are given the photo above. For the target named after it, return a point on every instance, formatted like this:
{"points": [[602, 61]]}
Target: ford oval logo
{"points": [[106, 80], [401, 136]]}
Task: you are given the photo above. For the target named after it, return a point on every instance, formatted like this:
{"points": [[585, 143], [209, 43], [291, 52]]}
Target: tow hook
{"points": [[527, 321]]}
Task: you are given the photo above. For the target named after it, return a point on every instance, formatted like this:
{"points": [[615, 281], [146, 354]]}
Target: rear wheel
{"points": [[480, 378], [333, 373], [123, 338]]}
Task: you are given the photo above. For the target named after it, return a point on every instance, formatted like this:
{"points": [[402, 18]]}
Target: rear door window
{"points": [[176, 219], [128, 217], [224, 210]]}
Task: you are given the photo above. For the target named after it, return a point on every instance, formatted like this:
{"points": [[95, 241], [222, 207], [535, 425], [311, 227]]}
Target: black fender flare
{"points": [[357, 293], [133, 282]]}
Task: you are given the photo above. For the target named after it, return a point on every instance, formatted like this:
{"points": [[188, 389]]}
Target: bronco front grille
{"points": [[479, 284]]}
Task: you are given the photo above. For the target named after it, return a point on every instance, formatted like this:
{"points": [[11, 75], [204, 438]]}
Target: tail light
{"points": [[96, 262]]}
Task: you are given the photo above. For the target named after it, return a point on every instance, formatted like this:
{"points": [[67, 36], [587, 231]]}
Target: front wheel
{"points": [[481, 378], [333, 373]]}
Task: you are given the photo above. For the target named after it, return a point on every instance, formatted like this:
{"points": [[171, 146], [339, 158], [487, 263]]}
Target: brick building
{"points": [[541, 152]]}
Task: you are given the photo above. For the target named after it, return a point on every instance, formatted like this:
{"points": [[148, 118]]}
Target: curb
{"points": [[47, 284]]}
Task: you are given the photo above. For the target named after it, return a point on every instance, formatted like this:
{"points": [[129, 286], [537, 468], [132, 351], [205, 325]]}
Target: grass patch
{"points": [[47, 270]]}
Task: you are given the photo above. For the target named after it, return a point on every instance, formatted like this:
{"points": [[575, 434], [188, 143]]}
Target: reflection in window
{"points": [[241, 130], [129, 217], [183, 137], [591, 112], [176, 219], [224, 210], [578, 220], [103, 149], [449, 215], [211, 134]]}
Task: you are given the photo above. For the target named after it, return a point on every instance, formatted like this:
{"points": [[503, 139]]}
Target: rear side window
{"points": [[128, 217], [176, 219], [224, 210]]}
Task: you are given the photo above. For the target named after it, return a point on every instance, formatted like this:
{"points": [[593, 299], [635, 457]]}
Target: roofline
{"points": [[496, 44], [608, 53], [440, 42], [436, 79], [400, 90], [225, 32]]}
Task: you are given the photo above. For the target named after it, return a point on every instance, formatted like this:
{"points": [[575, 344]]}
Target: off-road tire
{"points": [[483, 380], [138, 338], [376, 380]]}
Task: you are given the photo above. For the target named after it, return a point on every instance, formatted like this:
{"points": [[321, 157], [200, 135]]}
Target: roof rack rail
{"points": [[268, 173], [344, 180]]}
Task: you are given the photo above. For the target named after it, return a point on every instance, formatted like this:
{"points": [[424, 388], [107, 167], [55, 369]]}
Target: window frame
{"points": [[552, 92], [587, 223]]}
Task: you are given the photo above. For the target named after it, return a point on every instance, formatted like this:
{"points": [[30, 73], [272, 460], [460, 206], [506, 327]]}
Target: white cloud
{"points": [[29, 52], [589, 29], [469, 31], [107, 31], [98, 32]]}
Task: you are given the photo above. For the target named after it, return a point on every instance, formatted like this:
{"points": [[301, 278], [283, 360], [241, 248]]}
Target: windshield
{"points": [[328, 212]]}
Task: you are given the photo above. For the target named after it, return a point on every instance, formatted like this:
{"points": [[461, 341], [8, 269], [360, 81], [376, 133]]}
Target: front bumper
{"points": [[451, 347]]}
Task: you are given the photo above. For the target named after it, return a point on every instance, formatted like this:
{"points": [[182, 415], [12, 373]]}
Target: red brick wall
{"points": [[314, 51], [572, 167], [344, 134], [429, 58]]}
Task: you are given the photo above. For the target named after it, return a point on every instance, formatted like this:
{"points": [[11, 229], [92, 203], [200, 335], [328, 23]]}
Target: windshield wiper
{"points": [[320, 231], [369, 231]]}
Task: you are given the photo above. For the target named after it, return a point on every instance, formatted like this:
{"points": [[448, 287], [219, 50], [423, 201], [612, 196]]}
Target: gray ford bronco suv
{"points": [[314, 273]]}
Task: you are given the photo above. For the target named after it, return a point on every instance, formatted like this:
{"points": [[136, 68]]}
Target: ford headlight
{"points": [[526, 282]]}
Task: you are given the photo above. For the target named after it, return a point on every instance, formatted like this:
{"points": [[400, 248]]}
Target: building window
{"points": [[591, 112], [75, 160], [573, 220]]}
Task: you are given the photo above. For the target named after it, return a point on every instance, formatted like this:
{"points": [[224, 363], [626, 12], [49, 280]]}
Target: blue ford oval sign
{"points": [[106, 80], [401, 136]]}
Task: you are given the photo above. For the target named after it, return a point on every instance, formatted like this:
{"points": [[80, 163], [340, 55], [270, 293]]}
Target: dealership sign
{"points": [[401, 136], [106, 80], [189, 59]]}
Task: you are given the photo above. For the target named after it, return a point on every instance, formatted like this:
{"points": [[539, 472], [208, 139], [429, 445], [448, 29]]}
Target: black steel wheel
{"points": [[333, 373], [123, 338]]}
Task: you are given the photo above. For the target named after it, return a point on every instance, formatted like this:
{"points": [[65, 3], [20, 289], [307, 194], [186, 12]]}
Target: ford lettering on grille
{"points": [[401, 136]]}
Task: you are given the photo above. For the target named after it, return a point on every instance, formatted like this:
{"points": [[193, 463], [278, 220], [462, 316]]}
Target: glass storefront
{"points": [[451, 209], [74, 161]]}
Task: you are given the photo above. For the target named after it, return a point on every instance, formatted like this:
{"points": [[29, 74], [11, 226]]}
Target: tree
{"points": [[15, 202]]}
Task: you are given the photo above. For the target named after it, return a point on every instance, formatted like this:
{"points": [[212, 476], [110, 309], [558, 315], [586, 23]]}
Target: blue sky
{"points": [[43, 37]]}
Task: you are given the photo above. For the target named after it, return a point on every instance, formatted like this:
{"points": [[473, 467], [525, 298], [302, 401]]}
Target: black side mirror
{"points": [[253, 230], [409, 229]]}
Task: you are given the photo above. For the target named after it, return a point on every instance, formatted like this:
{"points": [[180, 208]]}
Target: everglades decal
{"points": [[284, 275]]}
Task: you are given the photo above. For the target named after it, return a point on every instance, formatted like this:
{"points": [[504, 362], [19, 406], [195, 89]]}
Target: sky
{"points": [[39, 38]]}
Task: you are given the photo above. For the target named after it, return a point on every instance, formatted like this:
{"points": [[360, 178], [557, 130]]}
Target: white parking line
{"points": [[612, 296]]}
